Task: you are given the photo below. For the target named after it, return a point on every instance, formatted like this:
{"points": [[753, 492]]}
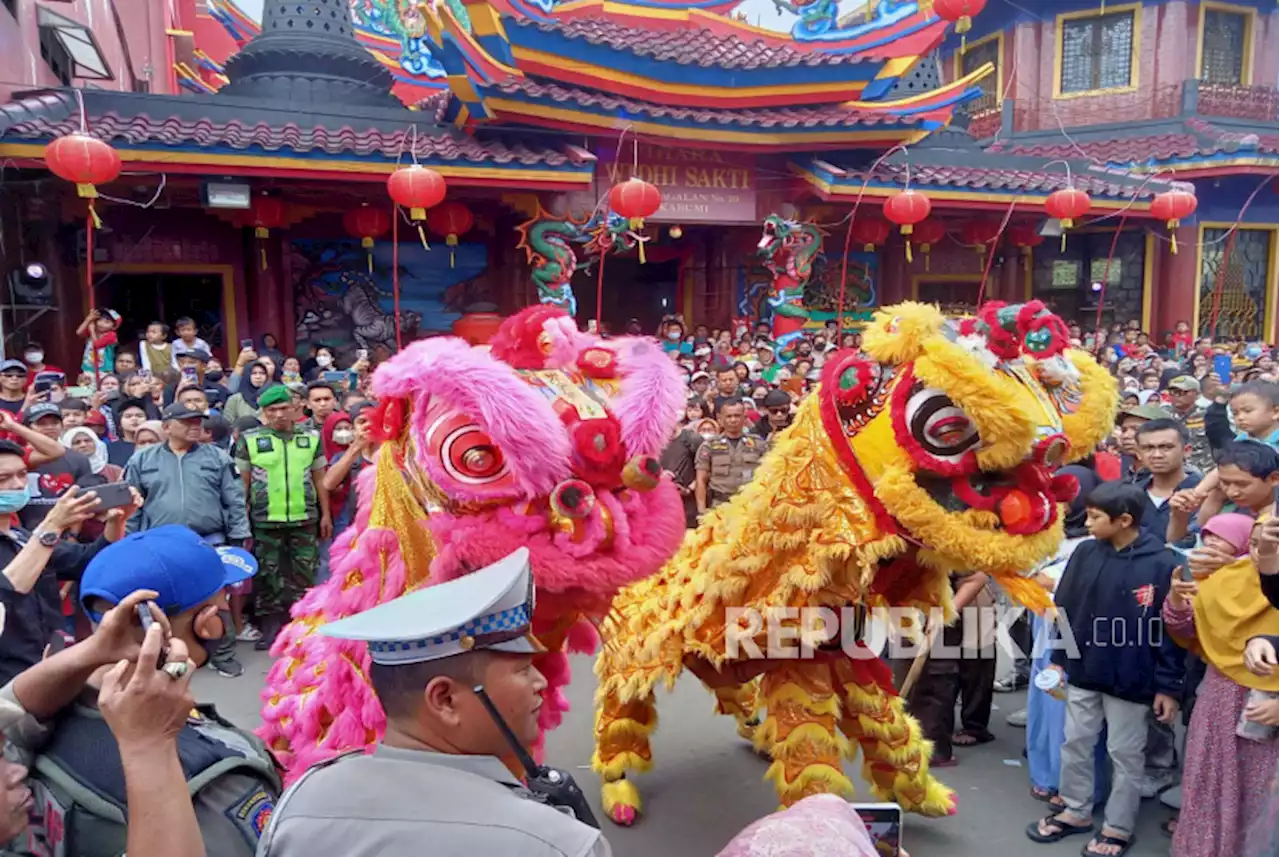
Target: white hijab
{"points": [[98, 460]]}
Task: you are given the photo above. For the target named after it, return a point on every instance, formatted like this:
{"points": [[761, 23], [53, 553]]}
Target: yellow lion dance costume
{"points": [[931, 451]]}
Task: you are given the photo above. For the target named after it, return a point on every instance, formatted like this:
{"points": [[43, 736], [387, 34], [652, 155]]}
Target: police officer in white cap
{"points": [[446, 659]]}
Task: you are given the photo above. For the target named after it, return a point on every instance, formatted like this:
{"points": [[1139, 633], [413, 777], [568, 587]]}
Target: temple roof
{"points": [[693, 45], [1192, 139], [217, 135]]}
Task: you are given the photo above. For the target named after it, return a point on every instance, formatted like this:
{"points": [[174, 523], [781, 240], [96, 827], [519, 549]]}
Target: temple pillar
{"points": [[1174, 299], [263, 287]]}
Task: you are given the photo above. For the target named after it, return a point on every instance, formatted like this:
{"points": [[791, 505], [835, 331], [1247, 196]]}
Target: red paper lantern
{"points": [[1024, 237], [870, 233], [1171, 206], [1068, 205], [82, 159], [960, 12], [635, 199], [265, 213], [927, 233], [979, 233], [367, 223], [450, 219], [907, 208], [417, 188]]}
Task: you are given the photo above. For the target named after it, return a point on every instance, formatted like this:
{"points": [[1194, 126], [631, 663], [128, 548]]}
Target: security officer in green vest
{"points": [[727, 461], [282, 467]]}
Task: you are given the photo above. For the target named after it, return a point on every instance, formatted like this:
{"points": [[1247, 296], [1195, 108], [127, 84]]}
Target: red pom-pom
{"points": [[389, 419], [598, 444], [521, 342], [855, 380], [1064, 487], [598, 363]]}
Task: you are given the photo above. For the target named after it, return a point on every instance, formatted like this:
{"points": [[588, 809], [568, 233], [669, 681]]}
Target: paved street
{"points": [[706, 783]]}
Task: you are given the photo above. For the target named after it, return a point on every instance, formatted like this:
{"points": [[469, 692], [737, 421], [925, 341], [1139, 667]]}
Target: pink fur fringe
{"points": [[652, 395]]}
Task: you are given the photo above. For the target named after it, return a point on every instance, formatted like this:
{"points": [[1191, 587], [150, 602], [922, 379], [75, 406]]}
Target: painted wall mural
{"points": [[339, 304]]}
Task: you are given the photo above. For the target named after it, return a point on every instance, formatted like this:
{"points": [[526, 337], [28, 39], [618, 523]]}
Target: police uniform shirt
{"points": [[407, 803], [730, 462]]}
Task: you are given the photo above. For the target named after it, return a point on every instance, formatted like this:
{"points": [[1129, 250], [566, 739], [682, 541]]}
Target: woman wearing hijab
{"points": [[1047, 715], [245, 402], [1231, 742], [85, 441], [819, 826]]}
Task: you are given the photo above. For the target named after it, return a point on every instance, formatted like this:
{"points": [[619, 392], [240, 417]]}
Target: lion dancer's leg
{"points": [[622, 745], [896, 756], [800, 732], [740, 702]]}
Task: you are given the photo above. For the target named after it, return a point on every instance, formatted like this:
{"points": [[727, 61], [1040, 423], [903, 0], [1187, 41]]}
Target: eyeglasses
{"points": [[780, 412]]}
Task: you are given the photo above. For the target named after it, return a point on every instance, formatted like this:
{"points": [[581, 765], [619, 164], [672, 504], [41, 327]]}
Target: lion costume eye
{"points": [[941, 428], [468, 454]]}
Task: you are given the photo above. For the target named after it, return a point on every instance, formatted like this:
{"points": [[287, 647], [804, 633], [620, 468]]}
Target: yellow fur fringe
{"points": [[898, 333]]}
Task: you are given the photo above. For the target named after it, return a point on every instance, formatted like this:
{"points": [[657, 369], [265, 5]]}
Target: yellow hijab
{"points": [[1230, 610]]}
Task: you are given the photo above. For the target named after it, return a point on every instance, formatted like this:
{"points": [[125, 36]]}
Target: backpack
{"points": [[78, 789]]}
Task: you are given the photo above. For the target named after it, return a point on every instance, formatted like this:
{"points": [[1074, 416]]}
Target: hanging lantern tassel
{"points": [[927, 249], [637, 224], [423, 235], [367, 243], [452, 241], [1173, 236], [910, 259], [261, 233], [97, 221]]}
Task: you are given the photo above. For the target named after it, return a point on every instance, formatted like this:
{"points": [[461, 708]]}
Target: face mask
{"points": [[343, 437], [673, 335], [215, 376], [34, 357], [324, 360], [12, 501]]}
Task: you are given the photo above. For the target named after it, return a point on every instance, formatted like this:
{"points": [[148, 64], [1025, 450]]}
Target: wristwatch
{"points": [[48, 538]]}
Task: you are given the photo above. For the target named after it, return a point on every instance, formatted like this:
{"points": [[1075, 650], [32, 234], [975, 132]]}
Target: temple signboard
{"points": [[698, 185]]}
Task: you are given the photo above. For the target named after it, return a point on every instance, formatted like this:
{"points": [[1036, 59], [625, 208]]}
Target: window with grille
{"points": [[1097, 53], [1234, 268], [975, 58], [1223, 52]]}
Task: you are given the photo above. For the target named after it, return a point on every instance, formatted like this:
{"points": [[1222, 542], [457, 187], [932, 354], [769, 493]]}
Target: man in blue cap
{"points": [[78, 775], [441, 781]]}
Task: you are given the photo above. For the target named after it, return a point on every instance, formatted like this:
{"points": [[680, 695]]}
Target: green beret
{"points": [[277, 394]]}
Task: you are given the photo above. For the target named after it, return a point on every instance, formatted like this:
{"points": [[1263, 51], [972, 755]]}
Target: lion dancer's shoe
{"points": [[896, 755], [801, 733], [622, 744]]}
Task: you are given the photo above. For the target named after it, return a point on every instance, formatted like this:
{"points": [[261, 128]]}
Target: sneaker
{"points": [[1152, 786], [248, 634], [1018, 718], [230, 668], [1010, 685]]}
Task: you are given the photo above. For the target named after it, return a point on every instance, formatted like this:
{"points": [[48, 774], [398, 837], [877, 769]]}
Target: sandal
{"points": [[1057, 801], [968, 739], [1103, 839], [1062, 831], [1044, 795], [944, 762]]}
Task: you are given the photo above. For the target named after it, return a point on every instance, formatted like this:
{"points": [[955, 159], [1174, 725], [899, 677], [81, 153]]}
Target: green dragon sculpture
{"points": [[549, 243], [787, 249]]}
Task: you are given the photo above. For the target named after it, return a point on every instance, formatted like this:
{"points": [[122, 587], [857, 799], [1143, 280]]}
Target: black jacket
{"points": [[1155, 520], [31, 620], [1112, 601], [1217, 426]]}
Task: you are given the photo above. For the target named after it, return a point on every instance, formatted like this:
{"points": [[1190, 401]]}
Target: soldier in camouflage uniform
{"points": [[1184, 392], [282, 467]]}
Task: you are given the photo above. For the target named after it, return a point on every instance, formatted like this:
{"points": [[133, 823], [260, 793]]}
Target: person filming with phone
{"points": [[452, 666], [85, 772], [36, 561]]}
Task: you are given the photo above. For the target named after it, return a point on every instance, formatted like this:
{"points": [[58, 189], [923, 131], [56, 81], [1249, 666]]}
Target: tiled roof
{"points": [[696, 46], [1196, 138], [997, 178], [1113, 151], [782, 118], [172, 131]]}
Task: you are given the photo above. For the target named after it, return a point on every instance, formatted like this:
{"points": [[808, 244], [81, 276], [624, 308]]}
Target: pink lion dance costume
{"points": [[547, 439]]}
